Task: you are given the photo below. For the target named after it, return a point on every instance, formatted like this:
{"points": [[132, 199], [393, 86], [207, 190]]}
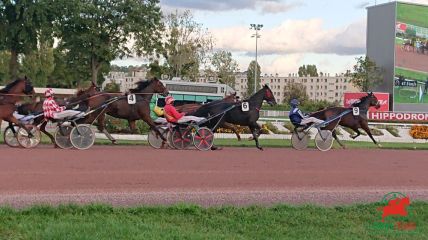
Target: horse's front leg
{"points": [[254, 130], [153, 126], [357, 131], [366, 128], [43, 130], [233, 128], [12, 119]]}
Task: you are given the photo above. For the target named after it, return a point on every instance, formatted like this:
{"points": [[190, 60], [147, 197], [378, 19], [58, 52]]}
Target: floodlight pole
{"points": [[256, 27]]}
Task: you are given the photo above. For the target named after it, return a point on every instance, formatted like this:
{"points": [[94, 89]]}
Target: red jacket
{"points": [[171, 114]]}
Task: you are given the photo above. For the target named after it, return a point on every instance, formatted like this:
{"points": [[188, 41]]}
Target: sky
{"points": [[327, 33]]}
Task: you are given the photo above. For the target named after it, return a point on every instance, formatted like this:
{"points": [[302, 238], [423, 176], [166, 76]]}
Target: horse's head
{"points": [[19, 86], [373, 101], [158, 87], [268, 96]]}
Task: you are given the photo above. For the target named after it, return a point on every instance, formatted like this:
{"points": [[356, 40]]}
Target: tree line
{"points": [[63, 43]]}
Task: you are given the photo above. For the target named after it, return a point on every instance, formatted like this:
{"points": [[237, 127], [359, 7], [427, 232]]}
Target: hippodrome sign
{"points": [[383, 98], [398, 116]]}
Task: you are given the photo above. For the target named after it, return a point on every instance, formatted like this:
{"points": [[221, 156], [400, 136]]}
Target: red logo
{"points": [[395, 207], [383, 98]]}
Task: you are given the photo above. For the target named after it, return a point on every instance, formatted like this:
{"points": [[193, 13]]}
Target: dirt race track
{"points": [[123, 175], [411, 60]]}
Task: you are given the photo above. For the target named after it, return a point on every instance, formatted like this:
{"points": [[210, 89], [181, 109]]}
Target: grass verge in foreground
{"points": [[193, 222]]}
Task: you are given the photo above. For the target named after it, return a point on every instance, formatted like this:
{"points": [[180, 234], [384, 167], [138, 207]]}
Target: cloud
{"points": [[265, 6], [296, 36], [282, 64], [363, 5]]}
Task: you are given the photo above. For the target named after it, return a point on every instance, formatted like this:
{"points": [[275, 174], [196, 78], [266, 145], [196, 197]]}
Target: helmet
{"points": [[169, 100], [294, 102], [49, 92]]}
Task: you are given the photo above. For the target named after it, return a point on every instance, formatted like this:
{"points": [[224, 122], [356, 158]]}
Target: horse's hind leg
{"points": [[101, 128]]}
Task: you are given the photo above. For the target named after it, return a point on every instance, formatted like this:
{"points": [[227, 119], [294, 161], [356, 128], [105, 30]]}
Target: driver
{"points": [[298, 118], [51, 110], [172, 115]]}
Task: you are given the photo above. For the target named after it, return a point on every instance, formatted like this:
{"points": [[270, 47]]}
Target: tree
{"points": [[366, 75], [297, 91], [250, 78], [225, 67], [38, 65], [112, 87], [4, 69], [98, 32], [22, 25], [187, 45], [308, 70]]}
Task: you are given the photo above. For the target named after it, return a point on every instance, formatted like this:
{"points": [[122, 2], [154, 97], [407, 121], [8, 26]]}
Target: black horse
{"points": [[349, 120], [234, 113]]}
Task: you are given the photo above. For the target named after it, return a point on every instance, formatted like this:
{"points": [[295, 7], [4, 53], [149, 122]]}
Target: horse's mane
{"points": [[363, 99], [10, 86], [141, 85]]}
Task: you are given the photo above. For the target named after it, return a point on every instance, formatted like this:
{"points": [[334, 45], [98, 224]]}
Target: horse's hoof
{"points": [[379, 145], [114, 142], [213, 148], [260, 148]]}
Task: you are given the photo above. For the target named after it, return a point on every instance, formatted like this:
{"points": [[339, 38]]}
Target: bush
{"points": [[393, 131], [289, 126], [419, 132], [115, 125]]}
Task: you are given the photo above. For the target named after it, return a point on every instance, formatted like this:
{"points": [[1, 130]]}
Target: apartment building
{"points": [[126, 81], [326, 87]]}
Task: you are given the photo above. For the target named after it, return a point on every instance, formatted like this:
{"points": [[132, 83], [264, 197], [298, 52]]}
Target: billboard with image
{"points": [[411, 58]]}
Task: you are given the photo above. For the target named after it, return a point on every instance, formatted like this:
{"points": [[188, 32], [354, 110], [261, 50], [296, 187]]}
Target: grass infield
{"points": [[193, 222]]}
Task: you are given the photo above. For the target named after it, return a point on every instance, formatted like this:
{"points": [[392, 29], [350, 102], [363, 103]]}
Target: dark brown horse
{"points": [[235, 115], [189, 109], [133, 112], [349, 120], [10, 95]]}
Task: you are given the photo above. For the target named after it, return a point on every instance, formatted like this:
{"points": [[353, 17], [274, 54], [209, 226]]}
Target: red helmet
{"points": [[169, 100], [49, 92]]}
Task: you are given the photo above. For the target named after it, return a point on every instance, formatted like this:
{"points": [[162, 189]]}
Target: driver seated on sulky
{"points": [[172, 115], [51, 110], [298, 118]]}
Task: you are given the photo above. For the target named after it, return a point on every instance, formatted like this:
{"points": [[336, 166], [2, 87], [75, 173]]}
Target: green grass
{"points": [[409, 74], [193, 222], [399, 41], [412, 14], [407, 95]]}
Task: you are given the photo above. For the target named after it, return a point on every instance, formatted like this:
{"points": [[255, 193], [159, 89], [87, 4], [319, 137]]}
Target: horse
{"points": [[349, 120], [132, 112], [190, 108], [234, 114], [10, 95]]}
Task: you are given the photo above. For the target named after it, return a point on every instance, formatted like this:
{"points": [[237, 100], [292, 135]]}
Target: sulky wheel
{"points": [[10, 137], [181, 138], [299, 140], [26, 140], [155, 140], [82, 137], [203, 139], [324, 140], [62, 137]]}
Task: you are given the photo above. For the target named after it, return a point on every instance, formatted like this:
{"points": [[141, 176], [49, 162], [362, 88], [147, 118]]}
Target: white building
{"points": [[126, 81], [326, 87]]}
